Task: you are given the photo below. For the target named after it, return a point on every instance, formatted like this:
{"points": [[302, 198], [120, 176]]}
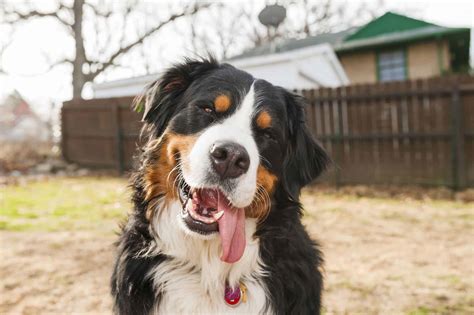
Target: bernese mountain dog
{"points": [[216, 220]]}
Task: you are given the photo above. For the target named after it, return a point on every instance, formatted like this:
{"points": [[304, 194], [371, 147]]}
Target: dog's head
{"points": [[222, 143]]}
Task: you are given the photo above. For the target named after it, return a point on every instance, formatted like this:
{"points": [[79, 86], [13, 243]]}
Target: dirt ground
{"points": [[383, 256], [55, 272], [395, 256]]}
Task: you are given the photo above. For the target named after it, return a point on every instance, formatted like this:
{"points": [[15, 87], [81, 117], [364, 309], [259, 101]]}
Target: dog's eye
{"points": [[208, 109], [268, 134]]}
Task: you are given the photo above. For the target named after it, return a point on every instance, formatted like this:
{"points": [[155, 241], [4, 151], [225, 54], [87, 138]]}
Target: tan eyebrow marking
{"points": [[222, 103], [264, 120]]}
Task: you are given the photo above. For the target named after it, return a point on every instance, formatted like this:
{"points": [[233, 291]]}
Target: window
{"points": [[391, 65]]}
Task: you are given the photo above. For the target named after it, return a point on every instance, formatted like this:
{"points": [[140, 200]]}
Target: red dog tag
{"points": [[233, 296]]}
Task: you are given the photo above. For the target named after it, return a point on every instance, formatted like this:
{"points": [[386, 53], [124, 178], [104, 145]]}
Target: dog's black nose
{"points": [[229, 159]]}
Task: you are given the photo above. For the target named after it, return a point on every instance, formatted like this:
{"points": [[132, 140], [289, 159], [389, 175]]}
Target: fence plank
{"points": [[117, 138], [458, 166]]}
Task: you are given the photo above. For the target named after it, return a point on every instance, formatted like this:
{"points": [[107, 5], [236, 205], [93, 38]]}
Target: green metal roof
{"points": [[386, 24], [388, 29], [403, 37]]}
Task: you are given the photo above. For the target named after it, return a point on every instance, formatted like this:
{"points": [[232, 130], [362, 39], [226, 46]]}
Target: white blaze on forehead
{"points": [[235, 128], [242, 118]]}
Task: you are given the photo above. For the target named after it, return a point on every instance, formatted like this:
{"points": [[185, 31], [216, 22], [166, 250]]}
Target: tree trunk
{"points": [[78, 77]]}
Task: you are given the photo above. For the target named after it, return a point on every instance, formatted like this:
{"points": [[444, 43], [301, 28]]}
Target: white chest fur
{"points": [[184, 294], [193, 281]]}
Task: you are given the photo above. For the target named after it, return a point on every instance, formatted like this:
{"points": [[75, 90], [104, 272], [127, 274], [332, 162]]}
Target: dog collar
{"points": [[234, 295]]}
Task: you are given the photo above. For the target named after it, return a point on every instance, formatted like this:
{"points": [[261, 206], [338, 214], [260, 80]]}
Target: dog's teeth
{"points": [[218, 215]]}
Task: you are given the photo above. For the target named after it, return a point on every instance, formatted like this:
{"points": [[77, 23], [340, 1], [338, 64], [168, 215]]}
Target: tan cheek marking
{"points": [[266, 179], [179, 145], [261, 205], [264, 120], [222, 103], [160, 175]]}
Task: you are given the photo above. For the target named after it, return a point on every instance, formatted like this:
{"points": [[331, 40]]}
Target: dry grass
{"points": [[23, 155], [386, 256], [383, 255], [64, 204]]}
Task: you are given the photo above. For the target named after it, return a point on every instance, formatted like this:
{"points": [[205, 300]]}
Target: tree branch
{"points": [[141, 38], [98, 12], [15, 16], [58, 63]]}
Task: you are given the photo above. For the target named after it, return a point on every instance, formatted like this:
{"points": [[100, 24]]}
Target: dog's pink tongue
{"points": [[231, 230]]}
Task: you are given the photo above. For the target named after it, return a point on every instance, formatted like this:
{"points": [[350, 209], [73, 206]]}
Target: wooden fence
{"points": [[414, 132], [100, 133]]}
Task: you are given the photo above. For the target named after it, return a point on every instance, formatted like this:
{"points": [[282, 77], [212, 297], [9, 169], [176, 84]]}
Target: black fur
{"points": [[306, 159], [164, 94], [294, 280], [131, 287]]}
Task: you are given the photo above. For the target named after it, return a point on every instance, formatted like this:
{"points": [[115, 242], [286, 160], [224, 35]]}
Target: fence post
{"points": [[339, 143], [458, 166], [64, 132], [118, 137]]}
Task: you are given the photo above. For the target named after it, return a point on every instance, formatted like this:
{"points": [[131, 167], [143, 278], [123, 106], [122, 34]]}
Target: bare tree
{"points": [[232, 27], [225, 29], [104, 47]]}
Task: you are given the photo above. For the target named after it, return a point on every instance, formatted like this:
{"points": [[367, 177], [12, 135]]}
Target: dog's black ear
{"points": [[159, 101], [306, 159]]}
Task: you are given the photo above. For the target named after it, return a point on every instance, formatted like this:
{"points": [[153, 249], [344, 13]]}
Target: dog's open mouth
{"points": [[207, 211], [200, 209]]}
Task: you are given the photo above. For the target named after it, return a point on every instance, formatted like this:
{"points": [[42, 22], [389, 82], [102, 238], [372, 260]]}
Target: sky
{"points": [[27, 57]]}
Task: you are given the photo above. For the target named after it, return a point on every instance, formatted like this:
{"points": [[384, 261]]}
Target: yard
{"points": [[383, 255]]}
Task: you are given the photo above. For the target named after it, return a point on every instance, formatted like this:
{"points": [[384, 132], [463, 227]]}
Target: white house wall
{"points": [[304, 68], [305, 73]]}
